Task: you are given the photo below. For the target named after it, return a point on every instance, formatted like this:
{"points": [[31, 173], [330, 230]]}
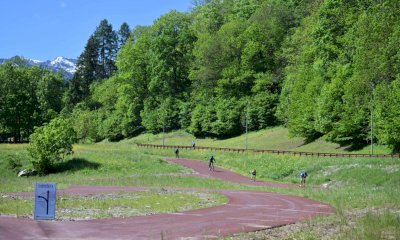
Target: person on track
{"points": [[303, 176], [177, 153], [253, 174], [211, 163]]}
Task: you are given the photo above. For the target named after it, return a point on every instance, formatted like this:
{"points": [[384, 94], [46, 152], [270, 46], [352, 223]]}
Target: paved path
{"points": [[246, 211], [201, 167]]}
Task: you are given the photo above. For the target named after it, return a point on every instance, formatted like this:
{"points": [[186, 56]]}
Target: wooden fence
{"points": [[294, 153]]}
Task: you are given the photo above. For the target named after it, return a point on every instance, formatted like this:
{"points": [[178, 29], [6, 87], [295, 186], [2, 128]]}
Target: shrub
{"points": [[51, 143]]}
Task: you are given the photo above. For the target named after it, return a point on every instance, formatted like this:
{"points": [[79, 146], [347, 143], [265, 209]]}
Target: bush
{"points": [[51, 143]]}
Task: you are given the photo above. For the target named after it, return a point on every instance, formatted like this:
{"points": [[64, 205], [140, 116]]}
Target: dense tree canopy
{"points": [[339, 52], [29, 97], [322, 68]]}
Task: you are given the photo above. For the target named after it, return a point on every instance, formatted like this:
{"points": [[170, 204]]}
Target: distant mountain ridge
{"points": [[67, 65]]}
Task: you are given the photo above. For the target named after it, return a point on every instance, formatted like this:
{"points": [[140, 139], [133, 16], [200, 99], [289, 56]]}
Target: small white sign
{"points": [[45, 201]]}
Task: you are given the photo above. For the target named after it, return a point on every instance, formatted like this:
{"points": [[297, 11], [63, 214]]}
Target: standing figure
{"points": [[177, 153], [193, 144], [253, 175], [303, 176], [211, 163]]}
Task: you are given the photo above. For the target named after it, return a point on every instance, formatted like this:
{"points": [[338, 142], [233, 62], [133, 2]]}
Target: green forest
{"points": [[319, 67]]}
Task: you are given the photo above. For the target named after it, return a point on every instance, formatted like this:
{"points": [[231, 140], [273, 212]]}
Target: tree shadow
{"points": [[74, 165], [310, 139], [352, 146]]}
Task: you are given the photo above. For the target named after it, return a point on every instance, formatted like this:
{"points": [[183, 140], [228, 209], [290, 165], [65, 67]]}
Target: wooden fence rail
{"points": [[294, 153]]}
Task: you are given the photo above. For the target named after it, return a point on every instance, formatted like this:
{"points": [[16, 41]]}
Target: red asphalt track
{"points": [[202, 168], [246, 211]]}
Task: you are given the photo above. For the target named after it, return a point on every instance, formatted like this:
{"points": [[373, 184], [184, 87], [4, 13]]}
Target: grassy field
{"points": [[106, 164], [364, 191]]}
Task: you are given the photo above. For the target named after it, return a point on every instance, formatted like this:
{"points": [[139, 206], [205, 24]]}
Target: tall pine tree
{"points": [[123, 33], [88, 71], [107, 39], [97, 62]]}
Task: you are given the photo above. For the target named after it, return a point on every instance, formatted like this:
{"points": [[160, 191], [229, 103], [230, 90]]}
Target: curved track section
{"points": [[201, 168], [246, 211]]}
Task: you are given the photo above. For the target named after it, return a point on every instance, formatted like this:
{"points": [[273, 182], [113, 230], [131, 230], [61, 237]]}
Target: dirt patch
{"points": [[334, 185], [392, 168], [329, 170]]}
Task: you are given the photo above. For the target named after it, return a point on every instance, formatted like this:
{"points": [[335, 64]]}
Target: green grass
{"points": [[351, 185], [375, 226], [276, 138], [111, 164], [111, 205], [259, 139], [106, 164]]}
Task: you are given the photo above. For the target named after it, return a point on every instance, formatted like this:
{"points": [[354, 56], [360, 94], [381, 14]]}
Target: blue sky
{"points": [[46, 29]]}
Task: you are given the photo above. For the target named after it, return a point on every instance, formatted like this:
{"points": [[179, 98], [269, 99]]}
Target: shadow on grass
{"points": [[353, 146], [310, 139], [74, 165]]}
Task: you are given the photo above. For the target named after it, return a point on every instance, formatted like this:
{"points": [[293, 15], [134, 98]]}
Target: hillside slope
{"points": [[276, 138]]}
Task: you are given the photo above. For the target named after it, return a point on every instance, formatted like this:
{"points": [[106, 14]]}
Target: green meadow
{"points": [[364, 191]]}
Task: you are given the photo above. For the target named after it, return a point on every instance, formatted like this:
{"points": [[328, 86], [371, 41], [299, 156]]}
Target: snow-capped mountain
{"points": [[58, 64], [63, 63]]}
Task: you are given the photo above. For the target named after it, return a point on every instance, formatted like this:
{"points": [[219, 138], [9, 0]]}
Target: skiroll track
{"points": [[246, 211]]}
